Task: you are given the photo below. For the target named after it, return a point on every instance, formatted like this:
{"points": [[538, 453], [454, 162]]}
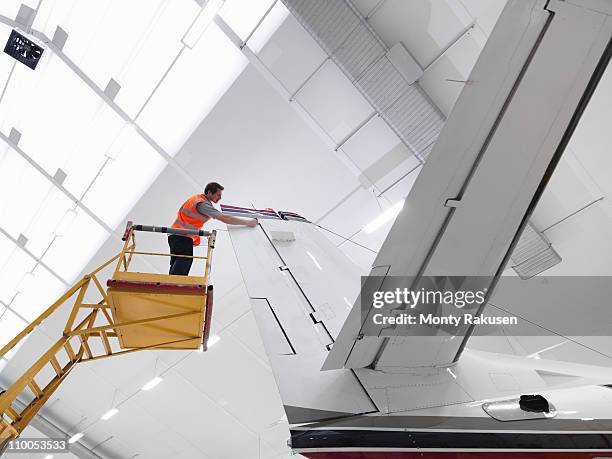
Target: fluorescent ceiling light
{"points": [[383, 218], [201, 23], [76, 437], [109, 414], [151, 384], [48, 456]]}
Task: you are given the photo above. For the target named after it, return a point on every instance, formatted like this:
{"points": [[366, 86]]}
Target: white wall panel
{"points": [[455, 64], [124, 179], [43, 291], [334, 102], [68, 254], [424, 26], [291, 54]]}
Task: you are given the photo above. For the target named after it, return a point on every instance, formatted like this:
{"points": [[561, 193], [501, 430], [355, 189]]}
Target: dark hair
{"points": [[213, 187]]}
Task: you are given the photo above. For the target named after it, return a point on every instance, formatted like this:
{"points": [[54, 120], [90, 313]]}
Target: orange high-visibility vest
{"points": [[188, 216]]}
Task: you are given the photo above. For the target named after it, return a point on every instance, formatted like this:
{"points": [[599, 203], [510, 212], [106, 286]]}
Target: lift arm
{"points": [[104, 321]]}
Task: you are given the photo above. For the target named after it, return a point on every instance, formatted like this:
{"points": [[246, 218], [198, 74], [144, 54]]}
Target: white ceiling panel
{"points": [[50, 107], [292, 55], [358, 255], [125, 179], [202, 422], [455, 64], [10, 8], [485, 11], [14, 264], [191, 89], [334, 101], [76, 391], [90, 148], [10, 325], [370, 143], [243, 15], [354, 213], [6, 62], [584, 243], [424, 26], [231, 306], [268, 27], [68, 254], [245, 330], [400, 188], [43, 291], [128, 373], [131, 30], [52, 216], [247, 390], [569, 189], [142, 433], [19, 179], [158, 46]]}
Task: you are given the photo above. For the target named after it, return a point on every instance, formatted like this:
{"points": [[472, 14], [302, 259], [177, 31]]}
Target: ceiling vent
{"points": [[533, 253]]}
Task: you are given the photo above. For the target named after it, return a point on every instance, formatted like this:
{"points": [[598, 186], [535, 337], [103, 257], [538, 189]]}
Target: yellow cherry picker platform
{"points": [[136, 311]]}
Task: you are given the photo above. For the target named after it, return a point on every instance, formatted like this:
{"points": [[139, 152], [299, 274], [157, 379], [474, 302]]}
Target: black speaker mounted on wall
{"points": [[25, 51]]}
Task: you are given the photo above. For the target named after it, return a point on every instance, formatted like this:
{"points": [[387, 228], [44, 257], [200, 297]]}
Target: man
{"points": [[193, 214]]}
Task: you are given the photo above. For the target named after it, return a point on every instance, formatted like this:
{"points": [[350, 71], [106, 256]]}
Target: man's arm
{"points": [[207, 209], [231, 220]]}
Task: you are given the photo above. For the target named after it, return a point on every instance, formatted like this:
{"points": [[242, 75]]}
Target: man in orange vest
{"points": [[193, 214]]}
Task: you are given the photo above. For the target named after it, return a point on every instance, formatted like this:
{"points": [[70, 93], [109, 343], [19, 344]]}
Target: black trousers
{"points": [[180, 245]]}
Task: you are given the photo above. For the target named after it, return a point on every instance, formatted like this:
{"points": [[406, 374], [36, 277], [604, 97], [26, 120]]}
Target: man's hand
{"points": [[231, 220]]}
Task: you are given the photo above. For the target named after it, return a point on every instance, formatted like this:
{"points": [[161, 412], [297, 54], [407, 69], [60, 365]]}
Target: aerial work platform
{"points": [[137, 311]]}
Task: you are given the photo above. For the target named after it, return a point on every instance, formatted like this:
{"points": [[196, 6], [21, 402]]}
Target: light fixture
{"points": [[109, 414], [151, 384], [48, 456], [76, 437], [201, 22], [383, 218]]}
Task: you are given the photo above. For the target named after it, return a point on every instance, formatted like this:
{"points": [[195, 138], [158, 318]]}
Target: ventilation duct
{"points": [[345, 36]]}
